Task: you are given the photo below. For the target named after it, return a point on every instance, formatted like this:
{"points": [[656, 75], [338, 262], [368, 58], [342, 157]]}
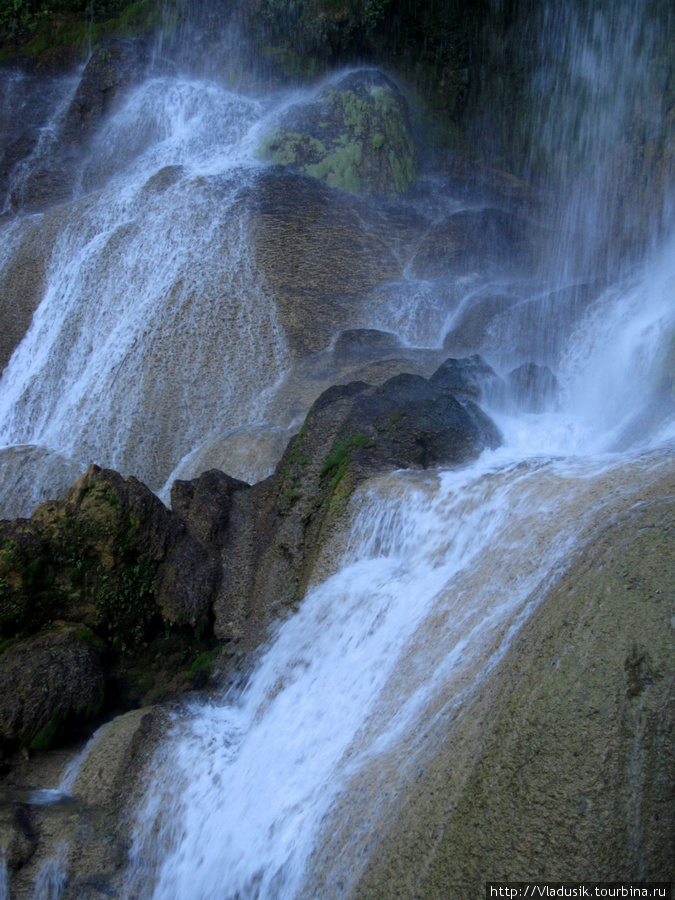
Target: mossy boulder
{"points": [[47, 684], [109, 555], [354, 136]]}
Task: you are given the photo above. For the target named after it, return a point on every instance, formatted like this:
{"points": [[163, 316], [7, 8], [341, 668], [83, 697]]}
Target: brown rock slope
{"points": [[574, 777]]}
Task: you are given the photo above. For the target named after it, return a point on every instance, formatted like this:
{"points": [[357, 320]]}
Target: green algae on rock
{"points": [[355, 136]]}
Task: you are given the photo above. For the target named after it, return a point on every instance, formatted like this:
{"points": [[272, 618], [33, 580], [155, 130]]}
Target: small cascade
{"points": [[150, 341], [152, 325], [51, 878], [4, 876]]}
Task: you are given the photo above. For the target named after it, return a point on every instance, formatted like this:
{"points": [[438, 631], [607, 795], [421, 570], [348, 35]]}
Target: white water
{"points": [[52, 875], [440, 569], [247, 781], [149, 281]]}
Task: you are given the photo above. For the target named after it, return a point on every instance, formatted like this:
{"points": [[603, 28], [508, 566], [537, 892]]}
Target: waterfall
{"points": [[440, 572], [156, 342], [152, 323]]}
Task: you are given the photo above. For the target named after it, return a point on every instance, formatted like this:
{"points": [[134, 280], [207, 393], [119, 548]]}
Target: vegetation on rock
{"points": [[354, 136]]}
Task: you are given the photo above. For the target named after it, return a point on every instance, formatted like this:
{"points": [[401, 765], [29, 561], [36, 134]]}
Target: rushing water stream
{"points": [[155, 334]]}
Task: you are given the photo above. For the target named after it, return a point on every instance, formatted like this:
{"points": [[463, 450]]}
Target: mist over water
{"points": [[156, 336]]}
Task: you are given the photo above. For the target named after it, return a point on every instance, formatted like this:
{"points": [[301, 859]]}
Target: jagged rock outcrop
{"points": [[352, 431], [110, 555], [112, 68], [112, 559]]}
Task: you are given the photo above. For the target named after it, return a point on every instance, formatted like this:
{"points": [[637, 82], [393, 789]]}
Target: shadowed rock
{"points": [[46, 684], [535, 388]]}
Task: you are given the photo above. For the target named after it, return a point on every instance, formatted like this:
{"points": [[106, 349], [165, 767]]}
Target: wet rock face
{"points": [[575, 765], [320, 252], [535, 388], [46, 684], [486, 239], [114, 66], [354, 136]]}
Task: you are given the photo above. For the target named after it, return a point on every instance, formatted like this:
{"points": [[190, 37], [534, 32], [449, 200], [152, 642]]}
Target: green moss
{"points": [[87, 636], [45, 737], [125, 605], [343, 452], [46, 29], [361, 123], [203, 662], [5, 645]]}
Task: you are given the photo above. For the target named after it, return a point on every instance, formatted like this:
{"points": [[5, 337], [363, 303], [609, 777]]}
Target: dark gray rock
{"points": [[534, 388], [470, 377], [204, 504], [488, 240], [352, 431], [114, 66], [470, 331], [47, 683], [365, 340]]}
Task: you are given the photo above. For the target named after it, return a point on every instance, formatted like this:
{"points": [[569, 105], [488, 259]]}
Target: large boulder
{"points": [[352, 432], [470, 377], [320, 252], [354, 135], [508, 327], [111, 558], [109, 555], [46, 684]]}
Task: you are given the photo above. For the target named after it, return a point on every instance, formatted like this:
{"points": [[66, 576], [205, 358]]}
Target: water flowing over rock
{"points": [[396, 342], [586, 693], [341, 248], [352, 432]]}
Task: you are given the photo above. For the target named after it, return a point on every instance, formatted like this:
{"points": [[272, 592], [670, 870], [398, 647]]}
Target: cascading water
{"points": [[280, 790], [152, 325]]}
